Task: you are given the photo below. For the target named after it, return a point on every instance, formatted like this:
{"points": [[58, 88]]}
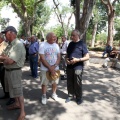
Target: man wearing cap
{"points": [[3, 45], [13, 58], [77, 53], [50, 58]]}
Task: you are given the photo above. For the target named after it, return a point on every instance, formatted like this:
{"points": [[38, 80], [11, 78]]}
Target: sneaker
{"points": [[44, 99], [54, 97]]}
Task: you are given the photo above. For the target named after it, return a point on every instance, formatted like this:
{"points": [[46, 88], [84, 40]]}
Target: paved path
{"points": [[101, 95]]}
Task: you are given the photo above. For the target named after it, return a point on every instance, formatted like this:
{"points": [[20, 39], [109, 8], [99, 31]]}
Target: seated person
{"points": [[108, 49], [112, 57]]}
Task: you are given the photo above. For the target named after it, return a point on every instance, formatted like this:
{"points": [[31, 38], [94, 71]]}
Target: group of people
{"points": [[12, 59], [112, 55]]}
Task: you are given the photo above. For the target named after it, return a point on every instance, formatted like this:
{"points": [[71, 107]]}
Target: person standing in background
{"points": [[27, 44], [33, 56], [63, 51]]}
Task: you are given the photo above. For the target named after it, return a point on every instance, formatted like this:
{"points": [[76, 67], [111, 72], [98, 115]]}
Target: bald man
{"points": [[50, 58]]}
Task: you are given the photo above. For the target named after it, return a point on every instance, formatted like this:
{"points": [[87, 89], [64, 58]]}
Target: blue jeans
{"points": [[34, 65]]}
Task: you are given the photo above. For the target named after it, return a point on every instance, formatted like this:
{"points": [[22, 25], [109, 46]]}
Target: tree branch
{"points": [[107, 4], [16, 9], [23, 6], [114, 2], [104, 2], [38, 3], [69, 19], [110, 6], [59, 16]]}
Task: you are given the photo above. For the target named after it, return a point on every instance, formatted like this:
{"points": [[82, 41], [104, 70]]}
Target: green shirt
{"points": [[16, 51]]}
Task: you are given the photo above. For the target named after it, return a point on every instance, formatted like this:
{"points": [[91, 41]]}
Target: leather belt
{"points": [[11, 69], [34, 54]]}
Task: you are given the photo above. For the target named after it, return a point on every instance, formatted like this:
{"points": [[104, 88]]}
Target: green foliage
{"points": [[99, 16], [2, 3], [88, 36], [99, 37], [96, 48], [41, 18], [25, 7], [59, 31], [21, 30], [117, 9], [117, 28], [4, 22], [102, 37]]}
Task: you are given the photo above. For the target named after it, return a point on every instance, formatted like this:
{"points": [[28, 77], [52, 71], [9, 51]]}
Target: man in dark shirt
{"points": [[108, 49], [112, 57], [77, 53]]}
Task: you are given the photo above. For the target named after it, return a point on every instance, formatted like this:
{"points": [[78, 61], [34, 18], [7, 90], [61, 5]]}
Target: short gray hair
{"points": [[77, 31], [48, 34]]}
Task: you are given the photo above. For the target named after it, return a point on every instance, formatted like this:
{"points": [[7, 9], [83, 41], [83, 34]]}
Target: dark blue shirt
{"points": [[77, 50], [33, 48]]}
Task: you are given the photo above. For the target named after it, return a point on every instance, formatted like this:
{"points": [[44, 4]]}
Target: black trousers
{"points": [[27, 53], [74, 83], [2, 73]]}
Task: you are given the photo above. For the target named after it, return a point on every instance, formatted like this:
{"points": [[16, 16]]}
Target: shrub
{"points": [[96, 48]]}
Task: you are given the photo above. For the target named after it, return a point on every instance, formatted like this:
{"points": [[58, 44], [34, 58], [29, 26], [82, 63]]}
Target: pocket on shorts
{"points": [[78, 72], [17, 89]]}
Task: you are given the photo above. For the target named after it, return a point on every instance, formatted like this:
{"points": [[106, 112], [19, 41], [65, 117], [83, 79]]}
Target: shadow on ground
{"points": [[101, 95]]}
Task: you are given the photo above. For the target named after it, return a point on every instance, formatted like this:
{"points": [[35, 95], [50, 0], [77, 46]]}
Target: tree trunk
{"points": [[77, 14], [82, 23], [27, 28], [94, 34], [42, 33], [87, 13], [110, 29]]}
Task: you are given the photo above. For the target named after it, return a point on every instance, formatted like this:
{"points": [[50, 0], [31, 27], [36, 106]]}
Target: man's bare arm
{"points": [[6, 60], [44, 62]]}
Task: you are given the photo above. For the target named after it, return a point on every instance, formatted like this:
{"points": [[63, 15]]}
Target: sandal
{"points": [[13, 106], [21, 118]]}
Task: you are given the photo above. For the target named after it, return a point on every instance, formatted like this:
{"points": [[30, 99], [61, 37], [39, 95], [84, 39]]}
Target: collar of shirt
{"points": [[13, 42]]}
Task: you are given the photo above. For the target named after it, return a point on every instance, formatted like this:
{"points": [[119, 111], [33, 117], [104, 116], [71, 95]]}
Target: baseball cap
{"points": [[9, 28]]}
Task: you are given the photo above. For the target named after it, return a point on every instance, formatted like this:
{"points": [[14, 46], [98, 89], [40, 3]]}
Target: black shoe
{"points": [[4, 97], [10, 101], [79, 101], [69, 99], [63, 77]]}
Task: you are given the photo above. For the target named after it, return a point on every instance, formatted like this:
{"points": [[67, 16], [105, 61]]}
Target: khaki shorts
{"points": [[44, 80], [13, 83]]}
